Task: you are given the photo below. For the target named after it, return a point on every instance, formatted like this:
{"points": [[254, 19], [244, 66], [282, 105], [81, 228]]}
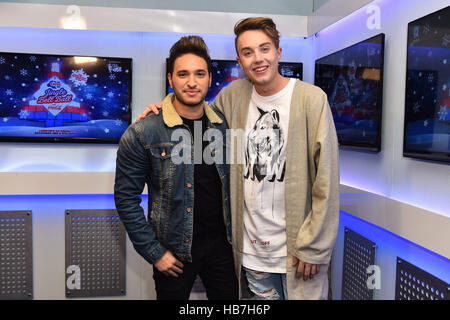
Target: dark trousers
{"points": [[213, 262]]}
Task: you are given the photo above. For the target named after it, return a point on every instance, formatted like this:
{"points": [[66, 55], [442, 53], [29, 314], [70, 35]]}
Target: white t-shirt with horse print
{"points": [[264, 167]]}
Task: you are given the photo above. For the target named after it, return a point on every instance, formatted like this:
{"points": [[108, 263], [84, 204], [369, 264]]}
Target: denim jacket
{"points": [[149, 153]]}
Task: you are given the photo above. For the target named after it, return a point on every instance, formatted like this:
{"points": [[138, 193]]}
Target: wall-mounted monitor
{"points": [[225, 71], [427, 98], [352, 78], [60, 98]]}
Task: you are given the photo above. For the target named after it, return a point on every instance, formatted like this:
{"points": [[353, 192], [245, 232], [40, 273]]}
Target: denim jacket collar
{"points": [[172, 118]]}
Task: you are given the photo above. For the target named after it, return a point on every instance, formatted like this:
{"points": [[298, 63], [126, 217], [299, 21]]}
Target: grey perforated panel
{"points": [[359, 254], [413, 283], [16, 258], [95, 253]]}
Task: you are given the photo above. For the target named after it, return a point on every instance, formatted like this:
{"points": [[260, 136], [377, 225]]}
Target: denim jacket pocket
{"points": [[161, 160]]}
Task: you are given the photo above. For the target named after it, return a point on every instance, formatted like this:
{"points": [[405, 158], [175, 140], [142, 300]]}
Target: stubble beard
{"points": [[189, 104]]}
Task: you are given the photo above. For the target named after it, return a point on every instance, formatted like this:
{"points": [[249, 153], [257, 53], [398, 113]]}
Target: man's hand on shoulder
{"points": [[152, 107]]}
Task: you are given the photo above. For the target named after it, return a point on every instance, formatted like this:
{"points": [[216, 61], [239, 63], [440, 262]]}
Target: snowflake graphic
{"points": [[79, 77], [112, 76], [106, 130], [110, 94], [9, 92], [2, 60], [425, 123], [32, 58], [5, 119], [7, 77], [105, 113], [89, 96], [416, 107], [24, 114], [118, 122], [24, 72]]}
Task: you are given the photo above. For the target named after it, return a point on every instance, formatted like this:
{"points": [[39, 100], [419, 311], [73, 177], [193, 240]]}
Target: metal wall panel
{"points": [[359, 254], [413, 283], [95, 253], [16, 255]]}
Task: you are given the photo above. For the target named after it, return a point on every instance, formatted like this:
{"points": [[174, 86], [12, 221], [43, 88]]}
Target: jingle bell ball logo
{"points": [[54, 95]]}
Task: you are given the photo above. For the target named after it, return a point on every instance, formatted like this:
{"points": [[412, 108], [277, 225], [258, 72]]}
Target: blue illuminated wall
{"points": [[389, 247], [48, 212]]}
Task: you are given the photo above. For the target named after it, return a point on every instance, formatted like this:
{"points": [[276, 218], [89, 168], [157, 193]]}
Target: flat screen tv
{"points": [[59, 98], [225, 71], [352, 78], [427, 99]]}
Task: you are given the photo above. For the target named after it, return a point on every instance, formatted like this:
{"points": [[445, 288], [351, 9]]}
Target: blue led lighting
{"points": [[390, 245]]}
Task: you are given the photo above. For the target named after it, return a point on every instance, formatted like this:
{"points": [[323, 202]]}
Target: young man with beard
{"points": [[188, 228], [285, 195]]}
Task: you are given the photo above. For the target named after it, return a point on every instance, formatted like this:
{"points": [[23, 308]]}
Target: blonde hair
{"points": [[266, 25]]}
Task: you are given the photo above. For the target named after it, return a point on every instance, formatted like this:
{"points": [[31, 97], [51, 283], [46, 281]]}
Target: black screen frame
{"points": [[356, 145], [441, 157]]}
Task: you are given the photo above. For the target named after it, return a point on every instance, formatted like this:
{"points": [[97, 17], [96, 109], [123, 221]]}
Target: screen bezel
{"points": [[81, 140], [413, 153], [371, 147]]}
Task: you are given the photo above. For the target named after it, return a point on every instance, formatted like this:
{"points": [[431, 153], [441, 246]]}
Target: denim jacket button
{"points": [[187, 240], [189, 185], [188, 209]]}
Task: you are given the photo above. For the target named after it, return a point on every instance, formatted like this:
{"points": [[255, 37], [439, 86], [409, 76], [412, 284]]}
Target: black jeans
{"points": [[213, 262]]}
